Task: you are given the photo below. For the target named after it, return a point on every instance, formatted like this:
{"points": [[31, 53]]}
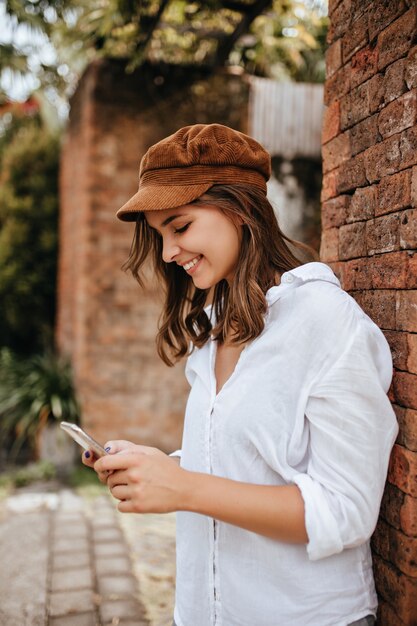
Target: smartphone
{"points": [[84, 440]]}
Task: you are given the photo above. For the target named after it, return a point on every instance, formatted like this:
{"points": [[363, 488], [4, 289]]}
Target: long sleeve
{"points": [[352, 429]]}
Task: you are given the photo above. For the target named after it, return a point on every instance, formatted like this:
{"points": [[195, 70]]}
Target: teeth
{"points": [[191, 264]]}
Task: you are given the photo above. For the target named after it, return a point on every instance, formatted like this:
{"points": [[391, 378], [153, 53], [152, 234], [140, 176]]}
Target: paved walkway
{"points": [[68, 560]]}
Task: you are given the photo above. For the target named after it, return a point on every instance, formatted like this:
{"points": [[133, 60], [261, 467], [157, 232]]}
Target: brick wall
{"points": [[369, 237], [106, 324]]}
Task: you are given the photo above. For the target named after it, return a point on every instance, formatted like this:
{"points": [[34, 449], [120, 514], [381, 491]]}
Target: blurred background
{"points": [[85, 88]]}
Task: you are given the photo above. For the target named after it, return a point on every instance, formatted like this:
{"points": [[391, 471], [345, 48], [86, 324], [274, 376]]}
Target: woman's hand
{"points": [[89, 458], [144, 479]]}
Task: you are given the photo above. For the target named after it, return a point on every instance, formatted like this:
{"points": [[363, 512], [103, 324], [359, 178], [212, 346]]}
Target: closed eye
{"points": [[181, 230]]}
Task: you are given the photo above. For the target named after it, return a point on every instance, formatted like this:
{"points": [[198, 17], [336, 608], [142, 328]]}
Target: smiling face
{"points": [[202, 239]]}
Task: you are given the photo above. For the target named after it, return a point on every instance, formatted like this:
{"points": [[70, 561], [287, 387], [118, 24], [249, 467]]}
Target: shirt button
{"points": [[288, 279]]}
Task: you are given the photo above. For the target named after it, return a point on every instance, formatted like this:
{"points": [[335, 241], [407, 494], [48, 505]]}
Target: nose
{"points": [[169, 250]]}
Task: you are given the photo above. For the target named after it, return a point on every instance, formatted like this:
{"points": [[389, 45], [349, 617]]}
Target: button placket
{"points": [[210, 463]]}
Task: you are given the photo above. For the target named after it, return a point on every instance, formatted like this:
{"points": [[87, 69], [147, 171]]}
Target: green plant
{"points": [[29, 158], [33, 391]]}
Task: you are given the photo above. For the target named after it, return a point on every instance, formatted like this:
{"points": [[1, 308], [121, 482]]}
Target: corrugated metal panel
{"points": [[286, 118]]}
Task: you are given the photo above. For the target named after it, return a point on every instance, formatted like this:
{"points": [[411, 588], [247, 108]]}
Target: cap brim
{"points": [[158, 197]]}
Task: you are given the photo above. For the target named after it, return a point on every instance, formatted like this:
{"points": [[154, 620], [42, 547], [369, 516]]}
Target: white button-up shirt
{"points": [[305, 405]]}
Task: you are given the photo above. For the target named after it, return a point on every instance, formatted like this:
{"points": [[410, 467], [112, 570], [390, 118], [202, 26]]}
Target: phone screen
{"points": [[83, 439]]}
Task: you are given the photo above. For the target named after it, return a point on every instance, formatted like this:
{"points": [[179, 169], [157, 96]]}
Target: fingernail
{"points": [[107, 449], [87, 454]]}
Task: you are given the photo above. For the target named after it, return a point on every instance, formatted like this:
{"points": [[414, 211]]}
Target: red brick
{"points": [[396, 547], [364, 65], [383, 159], [392, 501], [379, 305], [382, 13], [328, 189], [410, 70], [412, 353], [408, 147], [399, 348], [356, 274], [359, 7], [341, 18], [329, 248], [351, 175], [384, 88], [406, 310], [402, 552], [333, 58], [337, 85], [334, 212], [380, 540], [384, 271], [352, 240], [354, 106], [413, 191], [336, 152], [412, 270], [332, 6], [407, 420], [408, 229], [405, 391], [376, 89], [394, 42], [408, 516], [393, 193], [389, 271], [362, 206], [398, 115], [364, 134], [387, 616], [398, 590], [356, 37], [382, 234], [403, 470], [331, 122]]}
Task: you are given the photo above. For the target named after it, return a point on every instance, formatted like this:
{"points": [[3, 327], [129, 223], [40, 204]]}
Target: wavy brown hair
{"points": [[240, 307]]}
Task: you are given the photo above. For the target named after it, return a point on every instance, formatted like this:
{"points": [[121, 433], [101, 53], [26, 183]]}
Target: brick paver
{"points": [[68, 564]]}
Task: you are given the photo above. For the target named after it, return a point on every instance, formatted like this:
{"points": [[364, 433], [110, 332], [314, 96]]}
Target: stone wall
{"points": [[106, 324], [369, 221]]}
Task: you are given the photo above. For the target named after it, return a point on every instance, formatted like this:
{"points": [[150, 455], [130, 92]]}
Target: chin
{"points": [[202, 283]]}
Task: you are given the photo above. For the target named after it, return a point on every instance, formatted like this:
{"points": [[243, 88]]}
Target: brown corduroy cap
{"points": [[183, 166]]}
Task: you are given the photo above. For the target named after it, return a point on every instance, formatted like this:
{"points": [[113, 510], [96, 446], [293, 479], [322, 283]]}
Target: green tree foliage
{"points": [[28, 234], [286, 42]]}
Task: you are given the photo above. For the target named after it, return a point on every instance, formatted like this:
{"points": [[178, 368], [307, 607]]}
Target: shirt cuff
{"points": [[177, 453], [322, 529]]}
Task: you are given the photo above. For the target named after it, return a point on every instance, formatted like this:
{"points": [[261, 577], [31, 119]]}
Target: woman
{"points": [[288, 428]]}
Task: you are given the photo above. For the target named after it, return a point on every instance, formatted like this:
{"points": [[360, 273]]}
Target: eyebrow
{"points": [[170, 219]]}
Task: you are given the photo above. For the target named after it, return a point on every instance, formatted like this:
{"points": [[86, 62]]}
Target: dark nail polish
{"points": [[87, 454], [108, 449]]}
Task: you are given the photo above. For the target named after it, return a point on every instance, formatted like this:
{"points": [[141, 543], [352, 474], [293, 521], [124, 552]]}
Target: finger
{"points": [[88, 458], [118, 445], [126, 506], [118, 461], [117, 478], [121, 492], [103, 477]]}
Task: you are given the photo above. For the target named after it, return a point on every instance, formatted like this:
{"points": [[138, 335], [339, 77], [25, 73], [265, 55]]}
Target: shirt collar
{"points": [[296, 277], [300, 275]]}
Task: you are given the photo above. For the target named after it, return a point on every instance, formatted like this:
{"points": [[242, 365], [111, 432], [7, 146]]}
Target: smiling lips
{"points": [[190, 264]]}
